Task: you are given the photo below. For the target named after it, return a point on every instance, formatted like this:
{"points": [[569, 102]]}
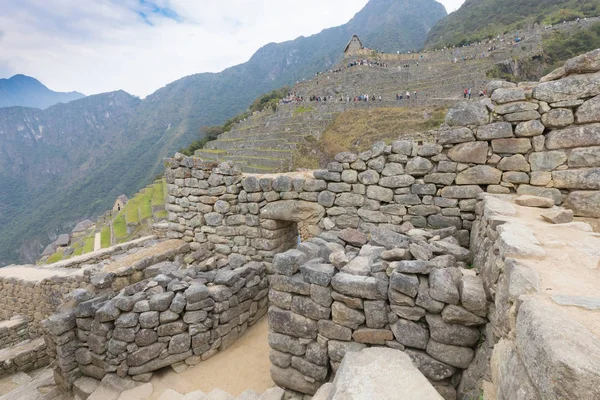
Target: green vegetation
{"points": [[105, 237], [158, 193], [120, 227], [561, 46], [56, 257], [482, 19], [357, 130], [88, 247], [302, 110], [209, 133]]}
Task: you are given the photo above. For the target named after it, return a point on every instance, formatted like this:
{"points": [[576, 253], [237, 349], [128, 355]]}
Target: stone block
{"points": [[456, 335], [511, 146], [470, 152], [411, 334], [292, 324], [468, 113], [562, 363]]}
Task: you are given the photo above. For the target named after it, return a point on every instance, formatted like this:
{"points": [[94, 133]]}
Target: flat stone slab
{"points": [[590, 303], [385, 374]]}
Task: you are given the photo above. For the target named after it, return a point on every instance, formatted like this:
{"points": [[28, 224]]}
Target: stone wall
{"points": [[28, 356], [534, 138], [35, 299], [13, 331], [342, 292], [152, 314], [539, 344]]}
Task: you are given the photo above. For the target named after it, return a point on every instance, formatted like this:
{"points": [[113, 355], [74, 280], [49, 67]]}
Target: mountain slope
{"points": [[478, 19], [25, 91], [70, 161]]}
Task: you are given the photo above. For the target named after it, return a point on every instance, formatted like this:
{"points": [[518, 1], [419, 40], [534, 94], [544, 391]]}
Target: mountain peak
{"points": [[26, 91]]}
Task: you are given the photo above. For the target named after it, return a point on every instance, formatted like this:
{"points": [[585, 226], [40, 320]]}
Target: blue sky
{"points": [[96, 46]]}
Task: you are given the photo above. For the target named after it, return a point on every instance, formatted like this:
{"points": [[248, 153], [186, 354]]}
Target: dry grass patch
{"points": [[357, 130]]}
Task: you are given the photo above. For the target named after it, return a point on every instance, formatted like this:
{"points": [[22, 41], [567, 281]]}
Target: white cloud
{"points": [[96, 46]]}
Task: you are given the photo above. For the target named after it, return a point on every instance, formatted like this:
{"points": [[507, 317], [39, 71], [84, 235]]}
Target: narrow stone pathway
{"points": [[243, 366], [97, 241]]}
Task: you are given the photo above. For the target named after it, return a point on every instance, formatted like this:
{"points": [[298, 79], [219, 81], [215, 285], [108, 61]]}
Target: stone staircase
{"points": [[114, 388], [264, 142]]}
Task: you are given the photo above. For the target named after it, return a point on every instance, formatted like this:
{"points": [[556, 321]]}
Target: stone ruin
{"points": [[420, 249]]}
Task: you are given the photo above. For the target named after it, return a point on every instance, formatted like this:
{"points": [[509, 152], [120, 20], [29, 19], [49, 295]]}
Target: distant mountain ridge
{"points": [[70, 161], [25, 91]]}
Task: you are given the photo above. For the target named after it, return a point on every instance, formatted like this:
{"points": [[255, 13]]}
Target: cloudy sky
{"points": [[95, 46]]}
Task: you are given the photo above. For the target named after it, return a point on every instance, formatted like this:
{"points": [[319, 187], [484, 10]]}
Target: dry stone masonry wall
{"points": [[535, 138], [154, 314], [342, 292]]}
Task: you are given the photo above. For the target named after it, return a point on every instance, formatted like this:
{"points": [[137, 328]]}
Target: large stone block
{"points": [[292, 324], [584, 63], [562, 357], [502, 95], [470, 152], [575, 136], [468, 113], [479, 175], [509, 374], [497, 130], [587, 179], [292, 379], [547, 160], [461, 192], [345, 316], [456, 335], [585, 157], [377, 367], [457, 356], [360, 286], [589, 111], [511, 146], [569, 88], [411, 334], [442, 286], [558, 118], [584, 204], [455, 136]]}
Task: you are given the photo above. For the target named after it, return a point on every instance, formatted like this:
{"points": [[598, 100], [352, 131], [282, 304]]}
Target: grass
{"points": [[56, 257], [120, 227], [145, 204], [161, 214], [105, 237], [302, 110], [132, 215], [88, 247], [357, 130], [158, 195]]}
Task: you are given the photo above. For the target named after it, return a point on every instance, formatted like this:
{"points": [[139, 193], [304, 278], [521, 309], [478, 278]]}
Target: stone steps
{"points": [[114, 388], [25, 356], [281, 143]]}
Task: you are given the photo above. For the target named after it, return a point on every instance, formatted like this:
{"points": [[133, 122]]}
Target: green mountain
{"points": [[479, 19], [70, 161], [22, 90]]}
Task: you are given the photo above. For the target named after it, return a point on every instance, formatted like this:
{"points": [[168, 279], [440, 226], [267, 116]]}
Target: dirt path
{"points": [[243, 366], [97, 241]]}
